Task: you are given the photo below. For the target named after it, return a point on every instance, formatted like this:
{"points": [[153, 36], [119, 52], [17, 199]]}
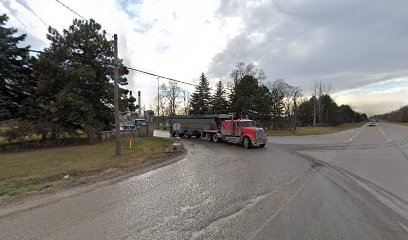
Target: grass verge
{"points": [[36, 170], [400, 123], [304, 131]]}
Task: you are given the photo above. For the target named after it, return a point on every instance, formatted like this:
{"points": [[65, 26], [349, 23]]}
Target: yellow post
{"points": [[130, 139]]}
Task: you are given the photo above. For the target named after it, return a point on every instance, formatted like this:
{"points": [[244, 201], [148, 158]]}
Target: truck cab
{"points": [[243, 131]]}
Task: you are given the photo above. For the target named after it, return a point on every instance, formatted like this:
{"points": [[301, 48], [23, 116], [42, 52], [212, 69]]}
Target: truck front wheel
{"points": [[246, 143], [215, 138]]}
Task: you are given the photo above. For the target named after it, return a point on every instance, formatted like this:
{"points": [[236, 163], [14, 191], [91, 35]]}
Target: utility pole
{"points": [[116, 94], [158, 101]]}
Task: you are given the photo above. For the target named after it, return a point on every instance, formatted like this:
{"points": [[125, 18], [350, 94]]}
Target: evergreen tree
{"points": [[219, 104], [277, 96], [201, 99], [75, 80], [251, 100], [16, 82], [306, 112], [330, 111], [245, 91]]}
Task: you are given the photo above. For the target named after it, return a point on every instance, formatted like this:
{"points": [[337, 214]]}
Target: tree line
{"points": [[275, 105], [400, 115], [65, 90]]}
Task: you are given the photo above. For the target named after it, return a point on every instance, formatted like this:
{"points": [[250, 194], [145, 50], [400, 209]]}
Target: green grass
{"points": [[36, 170], [401, 123], [304, 131]]}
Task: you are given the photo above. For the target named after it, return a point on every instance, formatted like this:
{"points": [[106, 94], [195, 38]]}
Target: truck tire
{"points": [[246, 143], [209, 137], [215, 138], [262, 145]]}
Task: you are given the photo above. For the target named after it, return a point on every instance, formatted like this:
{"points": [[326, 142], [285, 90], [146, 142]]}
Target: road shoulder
{"points": [[30, 201]]}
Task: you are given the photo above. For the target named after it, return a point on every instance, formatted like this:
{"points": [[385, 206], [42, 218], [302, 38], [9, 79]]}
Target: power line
{"points": [[152, 74], [130, 68], [70, 9], [76, 13]]}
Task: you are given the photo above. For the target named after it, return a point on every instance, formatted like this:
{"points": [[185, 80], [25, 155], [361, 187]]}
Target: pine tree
{"points": [[75, 79], [277, 96], [219, 104], [251, 99], [16, 82], [201, 98]]}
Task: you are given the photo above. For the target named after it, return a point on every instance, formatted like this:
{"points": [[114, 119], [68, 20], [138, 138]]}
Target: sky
{"points": [[359, 47]]}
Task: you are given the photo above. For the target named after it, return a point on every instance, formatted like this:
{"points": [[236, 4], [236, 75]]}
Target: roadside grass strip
{"points": [[304, 131], [44, 169]]}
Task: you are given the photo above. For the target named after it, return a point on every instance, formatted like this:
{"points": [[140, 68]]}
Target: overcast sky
{"points": [[359, 47]]}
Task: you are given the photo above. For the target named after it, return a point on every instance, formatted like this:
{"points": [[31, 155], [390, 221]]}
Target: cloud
{"points": [[348, 43], [376, 98]]}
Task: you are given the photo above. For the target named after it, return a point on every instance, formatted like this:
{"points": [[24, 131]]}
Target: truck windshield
{"points": [[247, 123]]}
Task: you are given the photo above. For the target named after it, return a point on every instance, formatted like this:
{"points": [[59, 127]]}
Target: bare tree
{"points": [[277, 98], [296, 95], [171, 93], [242, 69], [290, 101], [319, 89], [288, 91], [314, 96], [186, 101]]}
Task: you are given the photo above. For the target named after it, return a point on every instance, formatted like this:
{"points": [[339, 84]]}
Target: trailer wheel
{"points": [[215, 138], [209, 138], [246, 143]]}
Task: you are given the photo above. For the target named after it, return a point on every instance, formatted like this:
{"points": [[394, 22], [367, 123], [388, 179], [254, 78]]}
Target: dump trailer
{"points": [[218, 128]]}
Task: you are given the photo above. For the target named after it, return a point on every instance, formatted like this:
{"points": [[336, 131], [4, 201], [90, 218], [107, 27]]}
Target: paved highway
{"points": [[347, 185]]}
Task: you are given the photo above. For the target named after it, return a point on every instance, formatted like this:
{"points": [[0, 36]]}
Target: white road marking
{"points": [[355, 135]]}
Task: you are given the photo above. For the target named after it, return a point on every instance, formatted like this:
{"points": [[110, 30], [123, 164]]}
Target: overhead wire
{"points": [[152, 74], [130, 68], [79, 15], [70, 9]]}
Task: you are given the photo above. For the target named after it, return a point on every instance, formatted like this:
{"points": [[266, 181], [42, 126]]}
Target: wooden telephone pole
{"points": [[116, 95]]}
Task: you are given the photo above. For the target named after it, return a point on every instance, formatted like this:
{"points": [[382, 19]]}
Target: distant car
{"points": [[372, 124], [140, 122]]}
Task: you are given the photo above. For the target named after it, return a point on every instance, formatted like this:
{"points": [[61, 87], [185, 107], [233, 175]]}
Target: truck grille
{"points": [[259, 134]]}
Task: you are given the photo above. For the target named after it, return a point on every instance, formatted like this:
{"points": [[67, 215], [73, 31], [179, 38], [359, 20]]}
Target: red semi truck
{"points": [[218, 128]]}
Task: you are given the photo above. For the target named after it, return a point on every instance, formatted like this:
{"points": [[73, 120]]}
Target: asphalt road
{"points": [[348, 185]]}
